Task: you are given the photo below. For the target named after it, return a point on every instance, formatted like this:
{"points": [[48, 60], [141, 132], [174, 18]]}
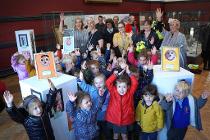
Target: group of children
{"points": [[115, 98]]}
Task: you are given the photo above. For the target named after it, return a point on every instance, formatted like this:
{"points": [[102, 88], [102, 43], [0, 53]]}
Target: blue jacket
{"points": [[195, 105], [93, 91], [84, 122]]}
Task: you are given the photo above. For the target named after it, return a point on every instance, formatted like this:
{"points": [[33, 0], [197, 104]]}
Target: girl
{"points": [[83, 112], [95, 90], [21, 64], [120, 111], [149, 114], [182, 110], [34, 116]]}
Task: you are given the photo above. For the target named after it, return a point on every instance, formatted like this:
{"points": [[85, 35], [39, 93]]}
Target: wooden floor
{"points": [[10, 130]]}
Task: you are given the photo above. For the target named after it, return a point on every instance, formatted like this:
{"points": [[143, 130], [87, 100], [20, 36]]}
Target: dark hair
{"points": [[100, 16], [124, 78], [143, 53], [80, 96], [121, 23], [109, 20], [148, 22], [150, 89], [88, 76]]}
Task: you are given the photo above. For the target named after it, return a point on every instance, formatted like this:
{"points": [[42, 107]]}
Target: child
{"points": [[142, 57], [95, 90], [21, 65], [149, 114], [182, 110], [83, 112], [120, 111], [34, 116]]}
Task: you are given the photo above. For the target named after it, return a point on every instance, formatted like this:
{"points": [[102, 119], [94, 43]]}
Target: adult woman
{"points": [[95, 37], [174, 38], [148, 36], [80, 34], [122, 40]]}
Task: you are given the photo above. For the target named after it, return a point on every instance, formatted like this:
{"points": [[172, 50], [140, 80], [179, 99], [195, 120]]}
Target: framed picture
{"points": [[170, 58], [58, 106], [23, 40], [37, 94], [45, 65]]}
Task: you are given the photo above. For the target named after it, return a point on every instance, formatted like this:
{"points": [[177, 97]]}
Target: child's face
{"points": [[94, 69], [22, 61], [148, 99], [95, 56], [122, 88], [99, 82], [35, 108], [86, 103], [142, 60], [179, 94]]}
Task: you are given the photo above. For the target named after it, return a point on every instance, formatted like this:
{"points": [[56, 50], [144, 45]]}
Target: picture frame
{"points": [[170, 58], [45, 65], [37, 94], [23, 40], [58, 106]]}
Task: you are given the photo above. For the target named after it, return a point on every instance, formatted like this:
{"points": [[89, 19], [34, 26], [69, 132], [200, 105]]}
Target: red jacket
{"points": [[120, 110]]}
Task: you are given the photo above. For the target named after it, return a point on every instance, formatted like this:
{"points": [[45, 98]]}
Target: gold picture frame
{"points": [[170, 58]]}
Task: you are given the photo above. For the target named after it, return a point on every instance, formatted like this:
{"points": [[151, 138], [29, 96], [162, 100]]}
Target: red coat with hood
{"points": [[120, 110]]}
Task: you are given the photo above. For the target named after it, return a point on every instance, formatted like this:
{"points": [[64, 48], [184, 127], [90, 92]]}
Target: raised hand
{"points": [[81, 76], [58, 46], [169, 97], [101, 92], [205, 95], [72, 97], [108, 46], [8, 97], [152, 40], [149, 65], [52, 86], [62, 17], [127, 70], [90, 47], [84, 65], [159, 14]]}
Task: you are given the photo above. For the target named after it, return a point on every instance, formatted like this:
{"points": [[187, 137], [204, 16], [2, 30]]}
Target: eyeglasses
{"points": [[120, 27]]}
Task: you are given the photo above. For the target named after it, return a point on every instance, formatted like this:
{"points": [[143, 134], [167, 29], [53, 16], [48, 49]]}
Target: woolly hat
{"points": [[28, 100]]}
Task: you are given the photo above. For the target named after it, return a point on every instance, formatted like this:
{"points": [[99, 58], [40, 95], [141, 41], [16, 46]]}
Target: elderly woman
{"points": [[174, 38], [80, 34]]}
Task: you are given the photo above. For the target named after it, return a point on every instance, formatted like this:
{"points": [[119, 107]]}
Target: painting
{"points": [[37, 94], [58, 106], [170, 59], [45, 65], [23, 40]]}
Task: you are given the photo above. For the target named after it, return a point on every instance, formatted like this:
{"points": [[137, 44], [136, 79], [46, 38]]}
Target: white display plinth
{"points": [[41, 87], [166, 80]]}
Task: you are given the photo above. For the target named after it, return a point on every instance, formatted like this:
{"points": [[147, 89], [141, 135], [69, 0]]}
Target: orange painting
{"points": [[45, 65]]}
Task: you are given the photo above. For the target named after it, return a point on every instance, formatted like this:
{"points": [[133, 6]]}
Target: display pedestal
{"points": [[165, 82], [40, 88]]}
